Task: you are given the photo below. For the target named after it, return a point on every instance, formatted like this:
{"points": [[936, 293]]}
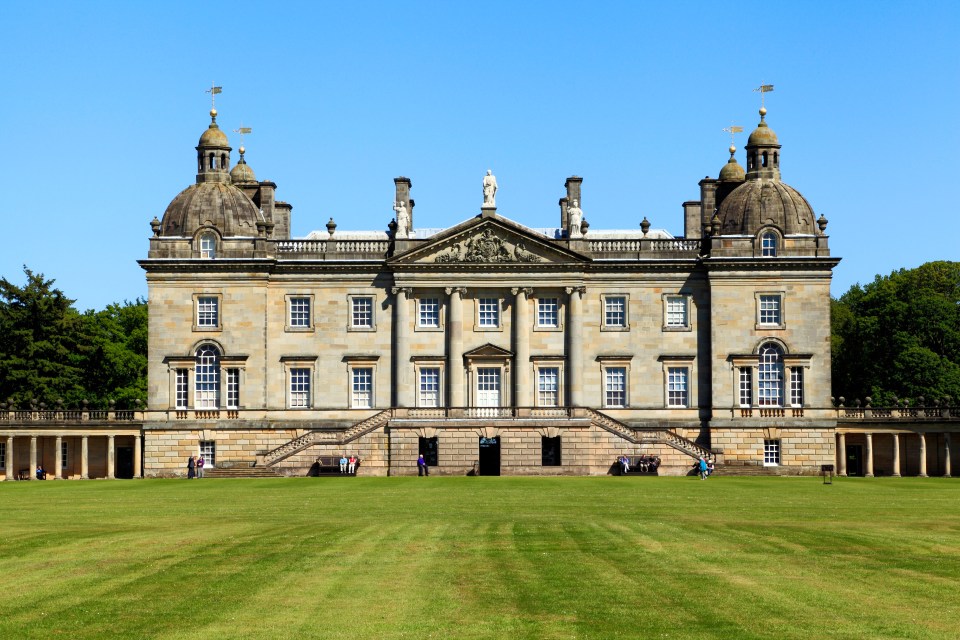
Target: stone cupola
{"points": [[213, 154]]}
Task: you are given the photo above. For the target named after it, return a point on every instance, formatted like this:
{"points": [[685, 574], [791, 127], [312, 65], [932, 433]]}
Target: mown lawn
{"points": [[481, 558]]}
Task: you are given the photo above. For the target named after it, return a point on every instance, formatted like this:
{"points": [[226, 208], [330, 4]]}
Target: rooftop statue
{"points": [[576, 218], [489, 190], [403, 219]]}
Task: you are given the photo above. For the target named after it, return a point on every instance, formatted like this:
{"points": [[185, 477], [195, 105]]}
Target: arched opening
{"points": [[776, 159], [763, 159], [770, 376], [207, 378], [210, 162], [223, 161]]}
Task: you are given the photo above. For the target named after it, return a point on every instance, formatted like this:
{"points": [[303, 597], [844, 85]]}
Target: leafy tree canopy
{"points": [[899, 336], [49, 352]]}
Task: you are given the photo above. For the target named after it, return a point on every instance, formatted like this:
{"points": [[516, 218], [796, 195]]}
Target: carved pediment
{"points": [[488, 351], [489, 242]]}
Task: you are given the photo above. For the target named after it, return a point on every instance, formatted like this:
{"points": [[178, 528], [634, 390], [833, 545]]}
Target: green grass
{"points": [[481, 558]]}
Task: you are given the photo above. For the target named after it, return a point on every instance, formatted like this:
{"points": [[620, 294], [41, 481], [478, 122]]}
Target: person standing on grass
{"points": [[422, 468], [191, 468], [200, 463], [703, 469]]}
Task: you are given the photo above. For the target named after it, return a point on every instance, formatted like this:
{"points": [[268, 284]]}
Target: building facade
{"points": [[490, 346]]}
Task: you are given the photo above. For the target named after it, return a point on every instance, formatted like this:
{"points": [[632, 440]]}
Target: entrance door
{"points": [[490, 456], [488, 390], [124, 462], [854, 460]]}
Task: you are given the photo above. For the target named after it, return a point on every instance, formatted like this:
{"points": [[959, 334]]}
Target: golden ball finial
{"points": [[733, 149], [213, 113], [763, 111], [242, 150]]}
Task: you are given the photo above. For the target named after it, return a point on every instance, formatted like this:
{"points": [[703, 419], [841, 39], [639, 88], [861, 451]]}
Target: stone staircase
{"points": [[241, 472], [311, 438], [649, 436]]}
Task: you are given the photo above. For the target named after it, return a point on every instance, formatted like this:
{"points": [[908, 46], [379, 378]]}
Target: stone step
{"points": [[241, 472], [745, 470]]}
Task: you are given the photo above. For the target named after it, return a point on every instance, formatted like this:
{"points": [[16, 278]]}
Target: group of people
{"points": [[645, 464], [348, 465], [704, 467], [195, 467]]}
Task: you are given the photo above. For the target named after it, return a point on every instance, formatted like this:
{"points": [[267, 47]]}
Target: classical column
{"points": [[403, 390], [9, 469], [869, 473], [575, 346], [842, 454], [31, 475], [923, 455], [896, 455], [137, 458], [455, 383], [58, 458], [111, 457], [946, 455], [84, 458], [522, 395]]}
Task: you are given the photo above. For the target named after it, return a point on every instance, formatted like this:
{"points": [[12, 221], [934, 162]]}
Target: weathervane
{"points": [[213, 91], [762, 89], [243, 131], [733, 130]]}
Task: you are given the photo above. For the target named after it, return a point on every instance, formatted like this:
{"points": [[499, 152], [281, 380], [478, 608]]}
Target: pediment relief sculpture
{"points": [[487, 247]]}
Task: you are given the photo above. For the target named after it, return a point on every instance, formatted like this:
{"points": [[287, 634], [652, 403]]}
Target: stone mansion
{"points": [[488, 347]]}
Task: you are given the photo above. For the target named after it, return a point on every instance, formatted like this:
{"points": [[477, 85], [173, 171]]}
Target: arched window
{"points": [[207, 390], [763, 159], [208, 246], [776, 159], [770, 376], [223, 161], [768, 245]]}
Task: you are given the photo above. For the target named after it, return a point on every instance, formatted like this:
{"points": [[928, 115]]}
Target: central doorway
{"points": [[490, 456]]}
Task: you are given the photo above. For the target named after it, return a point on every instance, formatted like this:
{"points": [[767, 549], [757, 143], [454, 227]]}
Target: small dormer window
{"points": [[768, 245], [208, 246]]}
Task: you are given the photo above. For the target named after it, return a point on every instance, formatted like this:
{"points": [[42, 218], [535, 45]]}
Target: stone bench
{"points": [[639, 466], [330, 466]]}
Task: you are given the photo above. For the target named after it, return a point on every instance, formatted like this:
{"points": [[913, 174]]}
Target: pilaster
{"points": [[521, 345], [455, 378], [575, 345], [401, 348]]}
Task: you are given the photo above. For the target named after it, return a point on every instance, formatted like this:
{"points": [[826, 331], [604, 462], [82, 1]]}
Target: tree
{"points": [[115, 354], [39, 360], [899, 336]]}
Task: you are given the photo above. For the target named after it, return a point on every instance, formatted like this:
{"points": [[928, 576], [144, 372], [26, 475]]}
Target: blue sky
{"points": [[104, 102]]}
